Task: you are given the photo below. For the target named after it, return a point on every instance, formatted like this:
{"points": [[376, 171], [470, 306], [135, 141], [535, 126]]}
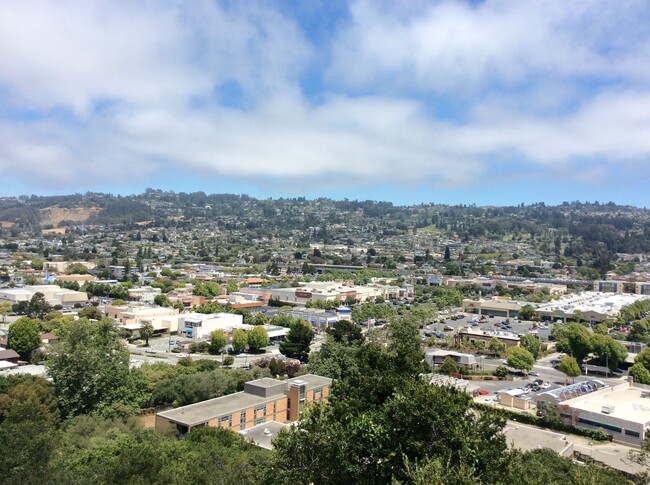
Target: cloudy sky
{"points": [[487, 102]]}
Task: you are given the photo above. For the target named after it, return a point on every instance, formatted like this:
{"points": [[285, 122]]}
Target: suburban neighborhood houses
{"points": [[252, 337]]}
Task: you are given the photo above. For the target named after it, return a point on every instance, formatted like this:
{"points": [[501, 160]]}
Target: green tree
{"points": [[532, 344], [232, 287], [608, 350], [91, 313], [28, 418], [228, 360], [520, 358], [501, 372], [496, 346], [448, 366], [77, 268], [346, 332], [298, 340], [379, 412], [569, 366], [639, 332], [639, 374], [640, 371], [239, 340], [24, 336], [257, 338], [600, 329], [38, 307], [573, 338], [218, 341], [527, 312], [5, 308], [91, 373], [146, 332], [334, 360], [162, 300]]}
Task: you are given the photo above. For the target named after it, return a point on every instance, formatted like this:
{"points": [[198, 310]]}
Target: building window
{"points": [[225, 420], [318, 394], [629, 432], [600, 425], [259, 421], [260, 411], [242, 418]]}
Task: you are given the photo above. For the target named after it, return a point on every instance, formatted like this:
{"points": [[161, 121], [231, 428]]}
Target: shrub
{"points": [[592, 434]]}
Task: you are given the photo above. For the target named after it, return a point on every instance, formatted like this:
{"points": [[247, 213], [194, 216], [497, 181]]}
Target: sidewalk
{"points": [[614, 455]]}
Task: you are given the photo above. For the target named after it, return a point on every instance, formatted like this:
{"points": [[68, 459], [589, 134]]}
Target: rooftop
{"points": [[626, 403], [572, 391], [263, 434], [205, 411]]}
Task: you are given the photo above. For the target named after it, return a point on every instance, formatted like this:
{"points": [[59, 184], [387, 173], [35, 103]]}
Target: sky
{"points": [[493, 102]]}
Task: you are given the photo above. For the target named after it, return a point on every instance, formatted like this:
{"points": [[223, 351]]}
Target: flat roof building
{"points": [[622, 411], [474, 334], [262, 401], [437, 357]]}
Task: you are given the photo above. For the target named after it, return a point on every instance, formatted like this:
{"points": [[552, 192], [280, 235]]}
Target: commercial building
{"points": [[262, 401], [592, 306], [324, 292], [200, 326], [436, 357], [137, 314], [622, 411], [492, 283], [53, 294], [501, 306], [474, 334]]}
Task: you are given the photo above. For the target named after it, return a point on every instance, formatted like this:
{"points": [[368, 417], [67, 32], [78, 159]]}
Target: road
{"points": [[162, 348]]}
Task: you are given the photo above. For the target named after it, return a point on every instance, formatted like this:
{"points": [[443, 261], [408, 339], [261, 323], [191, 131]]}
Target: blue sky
{"points": [[490, 102]]}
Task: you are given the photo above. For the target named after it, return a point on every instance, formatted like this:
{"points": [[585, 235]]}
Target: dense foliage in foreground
{"points": [[384, 424]]}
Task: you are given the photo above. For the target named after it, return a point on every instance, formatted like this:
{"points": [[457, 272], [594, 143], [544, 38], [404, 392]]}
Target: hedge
{"points": [[592, 434]]}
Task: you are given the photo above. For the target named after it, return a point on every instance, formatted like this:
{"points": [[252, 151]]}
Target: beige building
{"points": [[139, 314], [474, 334], [499, 306], [54, 295], [326, 291], [262, 401]]}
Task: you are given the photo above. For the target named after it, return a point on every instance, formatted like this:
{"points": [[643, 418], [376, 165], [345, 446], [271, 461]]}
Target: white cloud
{"points": [[72, 54], [453, 47], [544, 84]]}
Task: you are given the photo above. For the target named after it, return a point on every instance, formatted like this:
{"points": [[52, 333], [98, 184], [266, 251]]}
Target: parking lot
{"points": [[450, 323]]}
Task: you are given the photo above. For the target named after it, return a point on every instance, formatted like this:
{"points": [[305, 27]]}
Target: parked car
{"points": [[151, 351], [545, 385], [448, 328], [533, 373], [483, 392], [489, 400], [538, 382]]}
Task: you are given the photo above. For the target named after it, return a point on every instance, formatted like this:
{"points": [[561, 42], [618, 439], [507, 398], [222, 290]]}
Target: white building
{"points": [[325, 291], [200, 326], [622, 411], [54, 295]]}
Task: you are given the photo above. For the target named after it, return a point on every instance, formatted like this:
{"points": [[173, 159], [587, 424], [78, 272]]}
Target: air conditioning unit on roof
{"points": [[608, 409]]}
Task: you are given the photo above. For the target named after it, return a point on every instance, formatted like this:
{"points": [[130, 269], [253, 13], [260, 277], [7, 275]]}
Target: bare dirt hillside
{"points": [[55, 214]]}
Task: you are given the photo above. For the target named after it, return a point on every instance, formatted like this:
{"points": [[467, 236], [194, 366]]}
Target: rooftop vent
{"points": [[608, 409]]}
